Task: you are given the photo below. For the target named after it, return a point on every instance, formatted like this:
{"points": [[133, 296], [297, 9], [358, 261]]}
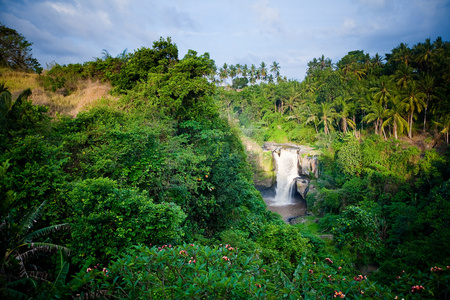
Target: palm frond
{"points": [[62, 269], [40, 247], [27, 221], [46, 231]]}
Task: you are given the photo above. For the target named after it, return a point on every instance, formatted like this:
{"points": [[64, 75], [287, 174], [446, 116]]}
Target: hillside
{"points": [[85, 93]]}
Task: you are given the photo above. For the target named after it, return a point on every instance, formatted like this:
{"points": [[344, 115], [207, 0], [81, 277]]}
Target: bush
{"points": [[106, 220]]}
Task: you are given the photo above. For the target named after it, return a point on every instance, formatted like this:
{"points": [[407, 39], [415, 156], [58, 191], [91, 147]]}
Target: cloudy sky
{"points": [[291, 32]]}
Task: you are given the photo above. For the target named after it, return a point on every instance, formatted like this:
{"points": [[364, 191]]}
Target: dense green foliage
{"points": [[154, 184]]}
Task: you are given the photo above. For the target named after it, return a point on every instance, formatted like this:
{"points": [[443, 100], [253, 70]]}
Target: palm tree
{"points": [[395, 118], [6, 102], [245, 71], [427, 86], [327, 115], [377, 61], [404, 75], [424, 55], [312, 66], [312, 113], [413, 102], [224, 73], [275, 69], [383, 91], [376, 115], [263, 71], [402, 54], [292, 96], [253, 74], [446, 126], [343, 112], [232, 72], [238, 69]]}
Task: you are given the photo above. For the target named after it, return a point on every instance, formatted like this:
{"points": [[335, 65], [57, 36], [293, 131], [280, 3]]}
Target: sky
{"points": [[290, 32]]}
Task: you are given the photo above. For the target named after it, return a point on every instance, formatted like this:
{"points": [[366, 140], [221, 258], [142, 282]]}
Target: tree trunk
{"points": [[426, 107], [410, 125]]}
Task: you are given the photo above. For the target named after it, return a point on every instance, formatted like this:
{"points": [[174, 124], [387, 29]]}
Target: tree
{"points": [[15, 51], [404, 76], [349, 157], [377, 114], [344, 108], [382, 91], [445, 124], [275, 69], [312, 114], [427, 86], [413, 102], [143, 61], [263, 71], [253, 74], [424, 55], [5, 100], [327, 115], [395, 118], [356, 228], [107, 219]]}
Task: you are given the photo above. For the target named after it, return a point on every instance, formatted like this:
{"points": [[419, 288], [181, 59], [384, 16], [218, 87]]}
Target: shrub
{"points": [[106, 220]]}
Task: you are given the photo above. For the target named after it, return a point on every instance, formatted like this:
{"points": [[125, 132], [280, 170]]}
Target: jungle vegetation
{"points": [[150, 194]]}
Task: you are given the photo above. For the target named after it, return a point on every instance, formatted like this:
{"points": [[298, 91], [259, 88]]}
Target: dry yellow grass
{"points": [[86, 94]]}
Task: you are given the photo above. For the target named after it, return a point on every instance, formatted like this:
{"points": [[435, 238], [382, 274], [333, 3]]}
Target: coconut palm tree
{"points": [[263, 71], [395, 118], [445, 124], [424, 55], [414, 101], [312, 114], [245, 71], [344, 109], [253, 74], [327, 116], [427, 86], [6, 103], [402, 54], [275, 69], [403, 75], [383, 91], [376, 115]]}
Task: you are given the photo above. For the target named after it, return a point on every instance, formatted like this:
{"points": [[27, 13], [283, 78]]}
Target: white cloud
{"points": [[62, 8], [266, 14]]}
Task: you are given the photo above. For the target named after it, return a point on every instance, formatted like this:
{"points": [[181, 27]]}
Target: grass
{"points": [[309, 225], [85, 94]]}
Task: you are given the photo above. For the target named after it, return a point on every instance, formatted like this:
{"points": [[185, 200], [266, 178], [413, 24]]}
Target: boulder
{"points": [[303, 185], [308, 165]]}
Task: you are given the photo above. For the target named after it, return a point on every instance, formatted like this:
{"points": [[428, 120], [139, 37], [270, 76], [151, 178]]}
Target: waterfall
{"points": [[286, 161]]}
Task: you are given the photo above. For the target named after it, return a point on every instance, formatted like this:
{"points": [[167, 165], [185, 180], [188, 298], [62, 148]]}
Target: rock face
{"points": [[303, 185], [308, 165], [265, 168]]}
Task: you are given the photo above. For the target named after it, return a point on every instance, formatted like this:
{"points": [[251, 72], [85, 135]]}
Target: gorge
{"points": [[292, 166]]}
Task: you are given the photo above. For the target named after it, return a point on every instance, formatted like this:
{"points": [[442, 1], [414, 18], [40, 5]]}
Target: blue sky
{"points": [[232, 31]]}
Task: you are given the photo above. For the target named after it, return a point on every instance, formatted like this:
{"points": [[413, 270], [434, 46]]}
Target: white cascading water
{"points": [[287, 171]]}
